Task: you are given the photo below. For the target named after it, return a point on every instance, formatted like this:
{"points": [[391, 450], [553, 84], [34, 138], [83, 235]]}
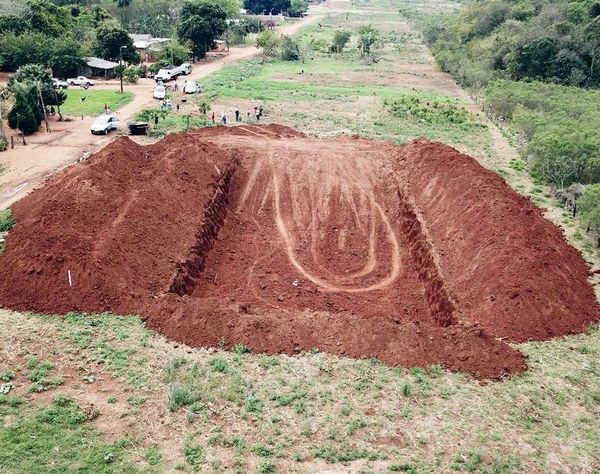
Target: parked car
{"points": [[160, 92], [104, 124], [137, 128], [58, 84], [80, 81], [190, 87]]}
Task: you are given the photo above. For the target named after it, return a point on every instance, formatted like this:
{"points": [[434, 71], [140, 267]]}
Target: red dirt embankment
{"points": [[509, 267], [262, 236]]}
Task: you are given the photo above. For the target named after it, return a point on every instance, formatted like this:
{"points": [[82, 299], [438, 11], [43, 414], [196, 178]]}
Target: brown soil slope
{"points": [[262, 236]]}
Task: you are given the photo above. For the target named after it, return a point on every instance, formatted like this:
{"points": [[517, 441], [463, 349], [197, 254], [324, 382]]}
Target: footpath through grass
{"points": [[94, 101]]}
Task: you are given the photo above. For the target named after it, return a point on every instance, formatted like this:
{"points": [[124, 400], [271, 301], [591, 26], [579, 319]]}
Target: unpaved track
{"points": [[25, 167]]}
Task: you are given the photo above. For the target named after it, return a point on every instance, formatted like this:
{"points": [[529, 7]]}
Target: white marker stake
{"points": [[70, 279]]}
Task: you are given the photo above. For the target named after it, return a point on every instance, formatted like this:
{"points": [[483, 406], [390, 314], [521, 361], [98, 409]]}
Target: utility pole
{"points": [[43, 105], [121, 65]]}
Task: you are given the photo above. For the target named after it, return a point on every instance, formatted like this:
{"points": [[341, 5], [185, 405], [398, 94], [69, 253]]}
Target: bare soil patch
{"points": [[262, 236], [427, 79]]}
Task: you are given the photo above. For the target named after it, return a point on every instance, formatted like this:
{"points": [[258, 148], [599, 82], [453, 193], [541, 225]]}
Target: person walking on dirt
{"points": [[237, 114], [175, 86], [260, 111], [256, 114], [213, 117], [223, 118]]}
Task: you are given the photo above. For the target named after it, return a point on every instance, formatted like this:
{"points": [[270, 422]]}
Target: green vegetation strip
{"points": [[94, 101], [55, 439]]}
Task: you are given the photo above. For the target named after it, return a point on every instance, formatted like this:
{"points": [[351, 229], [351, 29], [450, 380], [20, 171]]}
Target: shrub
{"points": [[290, 51], [269, 41], [340, 40], [219, 364], [180, 396], [194, 454], [132, 73]]}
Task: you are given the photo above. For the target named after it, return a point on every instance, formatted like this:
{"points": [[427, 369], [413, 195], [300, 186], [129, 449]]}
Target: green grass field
{"points": [[94, 101]]}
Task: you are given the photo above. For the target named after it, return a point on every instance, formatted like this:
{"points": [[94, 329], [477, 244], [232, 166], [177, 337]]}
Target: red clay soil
{"points": [[412, 254]]}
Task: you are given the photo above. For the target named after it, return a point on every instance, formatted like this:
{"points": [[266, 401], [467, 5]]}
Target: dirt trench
{"points": [[441, 307], [187, 271]]}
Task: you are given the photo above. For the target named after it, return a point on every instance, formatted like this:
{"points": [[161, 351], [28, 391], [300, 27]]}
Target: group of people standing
{"points": [[258, 113]]}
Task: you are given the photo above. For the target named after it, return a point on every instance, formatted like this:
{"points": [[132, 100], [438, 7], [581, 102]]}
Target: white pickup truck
{"points": [[80, 81], [165, 75]]}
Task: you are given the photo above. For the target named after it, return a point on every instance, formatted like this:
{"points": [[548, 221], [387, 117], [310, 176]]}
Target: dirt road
{"points": [[25, 167]]}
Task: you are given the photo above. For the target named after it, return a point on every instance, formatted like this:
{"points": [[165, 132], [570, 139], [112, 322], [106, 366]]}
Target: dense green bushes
{"points": [[63, 55], [548, 40], [429, 112], [558, 126], [44, 33]]}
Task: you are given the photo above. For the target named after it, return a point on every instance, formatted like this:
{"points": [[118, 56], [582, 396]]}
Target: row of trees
{"points": [[61, 35], [288, 49], [547, 40], [292, 8]]}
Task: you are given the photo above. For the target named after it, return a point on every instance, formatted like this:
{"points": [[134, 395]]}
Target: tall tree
{"points": [[48, 18], [202, 22], [38, 75], [25, 114], [67, 57], [109, 40], [297, 8]]}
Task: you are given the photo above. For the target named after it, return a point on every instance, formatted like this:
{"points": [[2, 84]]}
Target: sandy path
{"points": [[25, 167]]}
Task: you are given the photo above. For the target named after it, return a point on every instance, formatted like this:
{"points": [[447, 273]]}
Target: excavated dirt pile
{"points": [[261, 236]]}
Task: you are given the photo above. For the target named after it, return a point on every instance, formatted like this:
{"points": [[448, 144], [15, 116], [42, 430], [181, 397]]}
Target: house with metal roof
{"points": [[147, 46], [96, 67]]}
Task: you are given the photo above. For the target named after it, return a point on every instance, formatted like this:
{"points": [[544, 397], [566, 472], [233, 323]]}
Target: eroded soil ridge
{"points": [[187, 271], [262, 236]]}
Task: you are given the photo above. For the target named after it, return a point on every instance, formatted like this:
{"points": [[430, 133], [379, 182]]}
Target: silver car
{"points": [[104, 124]]}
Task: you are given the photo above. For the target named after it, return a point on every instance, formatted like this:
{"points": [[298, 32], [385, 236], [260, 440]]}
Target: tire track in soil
{"points": [[338, 180]]}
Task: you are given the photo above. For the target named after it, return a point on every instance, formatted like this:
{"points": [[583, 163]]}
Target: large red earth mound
{"points": [[262, 236]]}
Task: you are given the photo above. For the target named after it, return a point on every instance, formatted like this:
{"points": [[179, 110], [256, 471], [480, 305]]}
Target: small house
{"points": [[96, 67], [147, 46]]}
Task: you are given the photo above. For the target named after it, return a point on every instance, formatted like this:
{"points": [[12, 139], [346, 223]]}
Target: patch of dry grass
{"points": [[314, 412]]}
